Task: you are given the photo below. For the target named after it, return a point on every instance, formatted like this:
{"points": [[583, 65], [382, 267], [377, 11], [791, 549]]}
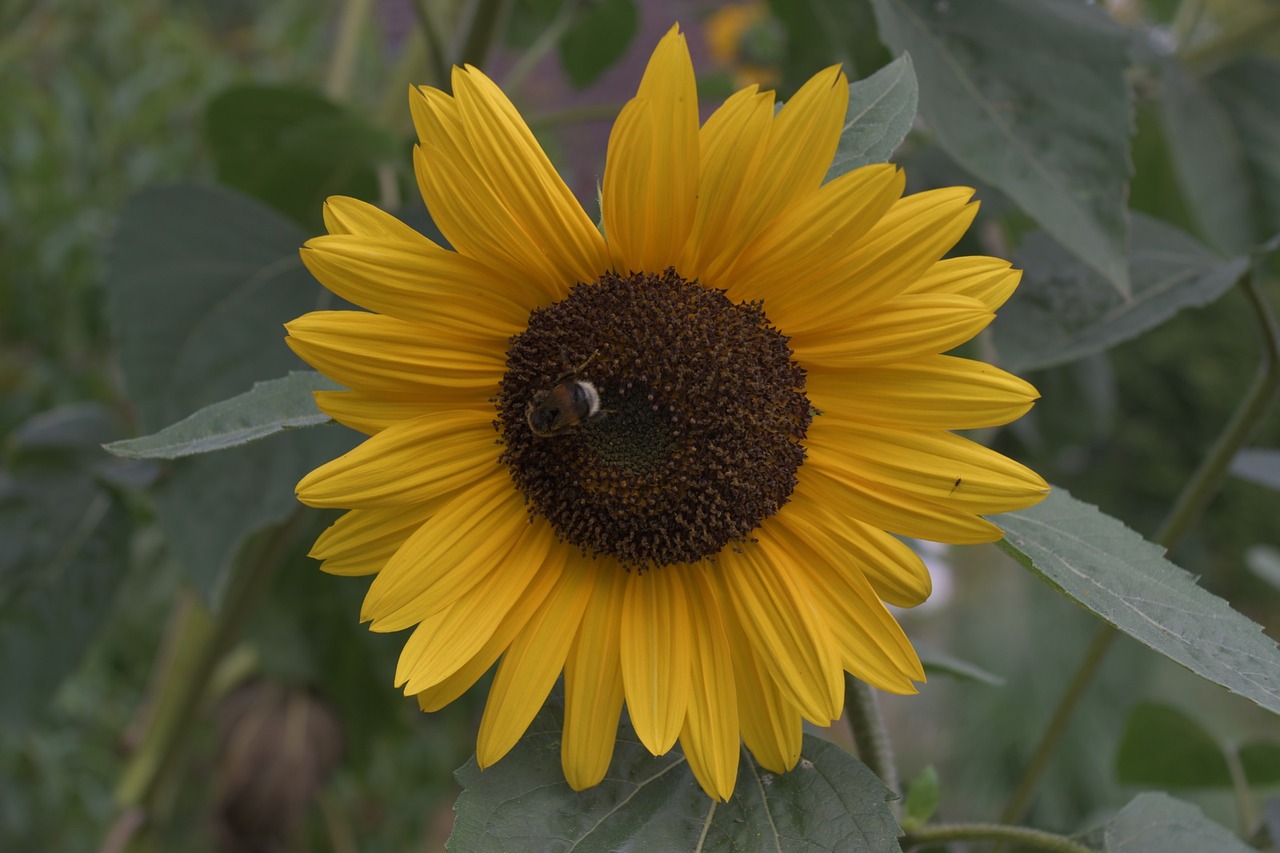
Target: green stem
{"points": [[437, 62], [481, 24], [1047, 748], [1187, 509], [940, 833], [337, 85], [869, 731], [1240, 787], [202, 643], [542, 45]]}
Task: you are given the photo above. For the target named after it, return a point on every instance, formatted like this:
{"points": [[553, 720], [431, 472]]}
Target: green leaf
{"points": [[292, 148], [1164, 748], [940, 663], [1107, 568], [1260, 761], [1208, 160], [266, 409], [1264, 562], [1157, 823], [829, 801], [1030, 96], [200, 285], [1064, 311], [1250, 91], [819, 32], [598, 38], [881, 109], [1259, 465], [922, 798], [64, 549]]}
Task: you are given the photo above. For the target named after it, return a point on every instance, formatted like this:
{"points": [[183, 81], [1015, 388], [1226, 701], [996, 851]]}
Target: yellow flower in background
{"points": [[734, 34], [667, 461]]}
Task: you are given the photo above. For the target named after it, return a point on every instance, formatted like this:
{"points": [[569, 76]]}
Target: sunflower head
{"points": [[672, 465]]}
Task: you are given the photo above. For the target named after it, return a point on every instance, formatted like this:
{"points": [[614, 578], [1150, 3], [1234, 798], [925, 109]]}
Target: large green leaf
{"points": [[1030, 96], [266, 409], [1250, 91], [292, 148], [64, 548], [1208, 160], [1063, 311], [597, 39], [881, 109], [829, 802], [200, 285], [1164, 748], [1107, 568], [1157, 823]]}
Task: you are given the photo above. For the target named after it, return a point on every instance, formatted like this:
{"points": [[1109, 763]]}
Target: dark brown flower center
{"points": [[651, 419]]}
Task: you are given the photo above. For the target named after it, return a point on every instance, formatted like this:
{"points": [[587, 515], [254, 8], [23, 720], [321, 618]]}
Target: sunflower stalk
{"points": [[337, 84], [1186, 511], [1034, 839], [870, 733], [201, 645]]}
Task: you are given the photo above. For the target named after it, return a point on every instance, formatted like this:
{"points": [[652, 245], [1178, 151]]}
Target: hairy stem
{"points": [[940, 833], [869, 732]]}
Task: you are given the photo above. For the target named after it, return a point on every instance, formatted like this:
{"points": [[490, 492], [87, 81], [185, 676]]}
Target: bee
{"points": [[571, 402]]}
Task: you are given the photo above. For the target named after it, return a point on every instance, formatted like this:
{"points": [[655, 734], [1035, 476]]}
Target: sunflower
{"points": [[670, 461]]}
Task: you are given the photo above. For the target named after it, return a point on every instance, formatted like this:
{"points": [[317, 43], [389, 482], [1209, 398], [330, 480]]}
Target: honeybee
{"points": [[571, 402]]}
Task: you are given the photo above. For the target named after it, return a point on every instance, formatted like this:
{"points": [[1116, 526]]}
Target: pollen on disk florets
{"points": [[701, 416]]}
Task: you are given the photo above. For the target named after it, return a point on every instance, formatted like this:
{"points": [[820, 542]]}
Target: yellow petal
{"points": [[811, 239], [445, 641], [418, 282], [733, 143], [899, 330], [655, 655], [833, 482], [710, 736], [989, 280], [532, 663], [931, 465], [437, 696], [771, 725], [375, 353], [361, 542], [906, 242], [371, 413], [593, 691], [650, 190], [529, 186], [412, 462], [469, 210], [345, 215], [931, 391], [802, 140], [792, 638], [447, 556], [871, 643]]}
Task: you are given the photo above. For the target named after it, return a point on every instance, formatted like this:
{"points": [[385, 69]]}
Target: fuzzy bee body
{"points": [[570, 403]]}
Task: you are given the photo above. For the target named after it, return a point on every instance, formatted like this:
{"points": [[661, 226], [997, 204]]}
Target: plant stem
{"points": [[337, 84], [1186, 511], [869, 732], [942, 832], [481, 24], [544, 44], [202, 641], [437, 62], [1047, 748]]}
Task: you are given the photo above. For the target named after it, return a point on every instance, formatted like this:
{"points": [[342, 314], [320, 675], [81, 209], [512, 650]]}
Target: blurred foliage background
{"points": [[103, 100]]}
